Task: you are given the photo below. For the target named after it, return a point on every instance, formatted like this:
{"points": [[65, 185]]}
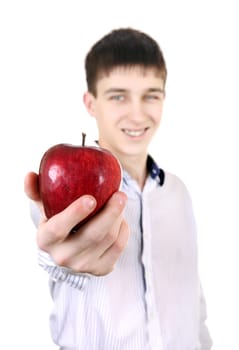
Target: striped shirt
{"points": [[152, 300]]}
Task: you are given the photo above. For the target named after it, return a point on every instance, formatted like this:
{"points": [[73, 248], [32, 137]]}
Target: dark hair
{"points": [[122, 47]]}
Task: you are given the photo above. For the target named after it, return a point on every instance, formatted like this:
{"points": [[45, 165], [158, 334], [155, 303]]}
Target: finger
{"points": [[85, 252], [57, 228], [109, 258], [102, 223], [95, 261], [96, 230], [93, 238], [31, 188]]}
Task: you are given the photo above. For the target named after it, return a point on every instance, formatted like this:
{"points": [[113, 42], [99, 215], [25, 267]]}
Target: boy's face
{"points": [[128, 109]]}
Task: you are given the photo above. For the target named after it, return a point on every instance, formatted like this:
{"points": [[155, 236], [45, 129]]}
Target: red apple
{"points": [[68, 171]]}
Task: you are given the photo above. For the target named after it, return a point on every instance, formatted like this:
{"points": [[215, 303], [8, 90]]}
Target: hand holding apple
{"points": [[95, 247]]}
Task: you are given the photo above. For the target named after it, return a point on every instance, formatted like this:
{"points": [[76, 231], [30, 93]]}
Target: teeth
{"points": [[134, 133]]}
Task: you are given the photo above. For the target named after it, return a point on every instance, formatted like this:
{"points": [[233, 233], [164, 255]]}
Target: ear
{"points": [[89, 101]]}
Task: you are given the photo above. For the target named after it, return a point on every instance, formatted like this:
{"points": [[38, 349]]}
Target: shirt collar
{"points": [[154, 171]]}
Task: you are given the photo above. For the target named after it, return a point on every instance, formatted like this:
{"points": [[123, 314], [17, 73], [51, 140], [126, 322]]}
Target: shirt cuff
{"points": [[60, 273]]}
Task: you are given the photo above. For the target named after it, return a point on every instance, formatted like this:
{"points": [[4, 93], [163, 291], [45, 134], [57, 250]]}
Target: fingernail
{"points": [[121, 199], [89, 202]]}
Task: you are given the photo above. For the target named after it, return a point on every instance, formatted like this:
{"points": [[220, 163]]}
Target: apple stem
{"points": [[83, 139]]}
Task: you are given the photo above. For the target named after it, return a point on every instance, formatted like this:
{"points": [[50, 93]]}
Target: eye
{"points": [[152, 97], [117, 97]]}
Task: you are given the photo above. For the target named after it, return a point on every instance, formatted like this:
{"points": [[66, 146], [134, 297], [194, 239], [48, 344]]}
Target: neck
{"points": [[136, 167]]}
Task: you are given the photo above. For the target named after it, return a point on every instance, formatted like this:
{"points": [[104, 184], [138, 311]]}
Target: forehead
{"points": [[131, 78]]}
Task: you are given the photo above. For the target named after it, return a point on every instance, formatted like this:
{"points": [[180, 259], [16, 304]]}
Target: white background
{"points": [[43, 44]]}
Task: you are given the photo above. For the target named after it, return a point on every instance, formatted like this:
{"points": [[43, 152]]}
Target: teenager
{"points": [[127, 279]]}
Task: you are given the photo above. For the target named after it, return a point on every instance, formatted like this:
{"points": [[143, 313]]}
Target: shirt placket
{"points": [[153, 324]]}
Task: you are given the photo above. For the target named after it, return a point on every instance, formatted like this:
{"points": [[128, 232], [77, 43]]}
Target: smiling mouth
{"points": [[134, 133]]}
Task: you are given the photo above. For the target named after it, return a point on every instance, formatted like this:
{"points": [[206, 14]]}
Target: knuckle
{"points": [[119, 246], [53, 231], [102, 270], [45, 238], [96, 236], [83, 266], [60, 258], [110, 237], [114, 212], [96, 267], [41, 243]]}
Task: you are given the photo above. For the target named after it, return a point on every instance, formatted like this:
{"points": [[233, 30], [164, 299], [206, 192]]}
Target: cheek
{"points": [[113, 115], [156, 114]]}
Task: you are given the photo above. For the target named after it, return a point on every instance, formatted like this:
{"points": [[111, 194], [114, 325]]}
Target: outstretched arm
{"points": [[96, 246]]}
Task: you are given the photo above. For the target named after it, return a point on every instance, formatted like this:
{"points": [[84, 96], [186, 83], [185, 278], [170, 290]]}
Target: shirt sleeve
{"points": [[61, 273], [204, 335]]}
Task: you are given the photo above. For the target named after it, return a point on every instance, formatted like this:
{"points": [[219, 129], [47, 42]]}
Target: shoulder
{"points": [[172, 181], [167, 182], [174, 188]]}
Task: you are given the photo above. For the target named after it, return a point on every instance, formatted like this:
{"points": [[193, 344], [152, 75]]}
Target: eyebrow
{"points": [[161, 91], [120, 90], [113, 90]]}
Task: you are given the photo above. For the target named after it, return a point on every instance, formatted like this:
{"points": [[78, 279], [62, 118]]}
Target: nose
{"points": [[136, 112]]}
